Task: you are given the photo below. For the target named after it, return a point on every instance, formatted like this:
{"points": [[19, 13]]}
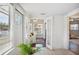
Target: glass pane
{"points": [[74, 26], [4, 28]]}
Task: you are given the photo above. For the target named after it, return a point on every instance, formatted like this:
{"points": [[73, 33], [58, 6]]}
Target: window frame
{"points": [[8, 47], [8, 18]]}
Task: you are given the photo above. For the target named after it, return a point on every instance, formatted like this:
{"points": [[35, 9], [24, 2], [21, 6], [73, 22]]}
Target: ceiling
{"points": [[49, 9]]}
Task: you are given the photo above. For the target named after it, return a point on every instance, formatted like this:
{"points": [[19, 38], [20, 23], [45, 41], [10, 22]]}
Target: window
{"points": [[74, 26], [18, 27], [4, 28]]}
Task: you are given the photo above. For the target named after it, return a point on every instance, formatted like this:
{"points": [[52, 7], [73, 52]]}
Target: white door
{"points": [[18, 27]]}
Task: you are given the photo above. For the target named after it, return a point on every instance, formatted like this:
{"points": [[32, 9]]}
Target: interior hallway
{"points": [[43, 25]]}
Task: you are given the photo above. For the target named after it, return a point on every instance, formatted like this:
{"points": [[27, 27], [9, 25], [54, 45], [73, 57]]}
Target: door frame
{"points": [[67, 26]]}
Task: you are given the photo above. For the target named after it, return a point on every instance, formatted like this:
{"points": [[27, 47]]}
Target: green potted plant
{"points": [[27, 49]]}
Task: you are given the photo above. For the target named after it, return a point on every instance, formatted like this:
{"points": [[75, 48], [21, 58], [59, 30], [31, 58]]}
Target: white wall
{"points": [[58, 41], [27, 30], [55, 32], [12, 24], [66, 33]]}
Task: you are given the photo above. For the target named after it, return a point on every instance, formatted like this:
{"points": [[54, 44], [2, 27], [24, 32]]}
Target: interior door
{"points": [[18, 27]]}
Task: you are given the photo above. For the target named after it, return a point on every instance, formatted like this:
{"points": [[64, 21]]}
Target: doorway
{"points": [[74, 33], [39, 27]]}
